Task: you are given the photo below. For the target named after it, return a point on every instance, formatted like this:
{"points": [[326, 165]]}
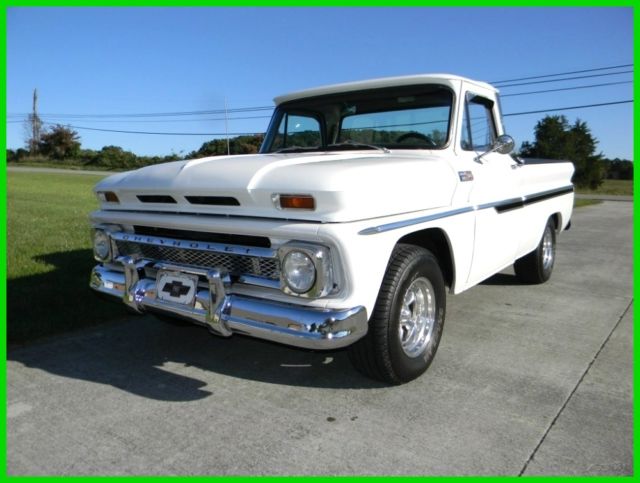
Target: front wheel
{"points": [[536, 267], [406, 325]]}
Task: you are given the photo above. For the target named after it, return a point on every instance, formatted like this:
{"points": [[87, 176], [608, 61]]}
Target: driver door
{"points": [[495, 190]]}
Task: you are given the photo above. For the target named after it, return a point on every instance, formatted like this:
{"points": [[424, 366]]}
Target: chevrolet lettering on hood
{"points": [[367, 202]]}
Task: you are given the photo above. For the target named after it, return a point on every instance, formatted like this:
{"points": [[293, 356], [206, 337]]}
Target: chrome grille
{"points": [[235, 264]]}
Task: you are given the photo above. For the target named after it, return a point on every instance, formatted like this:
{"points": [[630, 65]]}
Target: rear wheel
{"points": [[406, 325], [536, 267]]}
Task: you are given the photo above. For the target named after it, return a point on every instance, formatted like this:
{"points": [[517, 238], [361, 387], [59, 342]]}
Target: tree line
{"points": [[555, 138]]}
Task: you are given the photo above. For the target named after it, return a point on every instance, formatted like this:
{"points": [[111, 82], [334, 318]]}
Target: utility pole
{"points": [[36, 125], [226, 127]]}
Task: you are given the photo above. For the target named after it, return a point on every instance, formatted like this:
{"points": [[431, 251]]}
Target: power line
{"points": [[156, 114], [161, 133], [265, 108], [53, 120], [566, 88], [62, 119], [253, 133], [567, 108], [563, 73], [169, 114], [566, 78], [119, 117]]}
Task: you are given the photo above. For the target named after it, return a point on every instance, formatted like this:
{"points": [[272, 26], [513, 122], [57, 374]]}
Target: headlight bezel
{"points": [[101, 236], [299, 261], [320, 256]]}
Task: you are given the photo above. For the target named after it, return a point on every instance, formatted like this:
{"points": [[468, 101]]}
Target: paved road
{"points": [[528, 380], [604, 197]]}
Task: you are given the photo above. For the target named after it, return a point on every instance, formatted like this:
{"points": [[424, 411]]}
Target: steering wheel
{"points": [[417, 135]]}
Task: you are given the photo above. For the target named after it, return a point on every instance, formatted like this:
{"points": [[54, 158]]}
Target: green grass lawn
{"points": [[611, 187], [59, 165], [49, 255]]}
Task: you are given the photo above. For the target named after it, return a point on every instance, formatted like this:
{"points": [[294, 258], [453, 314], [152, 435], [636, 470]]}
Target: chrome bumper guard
{"points": [[225, 313]]}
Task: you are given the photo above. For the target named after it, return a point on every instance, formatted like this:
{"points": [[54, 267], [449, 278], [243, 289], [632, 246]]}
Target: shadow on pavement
{"points": [[146, 356], [58, 300], [154, 359], [502, 279]]}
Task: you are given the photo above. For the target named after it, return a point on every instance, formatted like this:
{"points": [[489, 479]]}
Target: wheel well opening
{"points": [[435, 240], [557, 220]]}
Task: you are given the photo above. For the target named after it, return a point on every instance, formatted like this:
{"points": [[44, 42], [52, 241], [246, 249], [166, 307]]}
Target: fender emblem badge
{"points": [[465, 175]]}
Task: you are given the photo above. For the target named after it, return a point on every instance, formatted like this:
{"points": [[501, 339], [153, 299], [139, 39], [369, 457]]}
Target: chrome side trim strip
{"points": [[194, 245], [543, 195], [500, 206], [414, 221]]}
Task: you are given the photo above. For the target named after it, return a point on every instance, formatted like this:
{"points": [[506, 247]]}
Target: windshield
{"points": [[409, 117]]}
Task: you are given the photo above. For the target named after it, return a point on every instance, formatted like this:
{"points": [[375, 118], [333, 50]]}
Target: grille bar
{"points": [[237, 260], [204, 236]]}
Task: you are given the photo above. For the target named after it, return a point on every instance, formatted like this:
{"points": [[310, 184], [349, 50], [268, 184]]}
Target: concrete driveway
{"points": [[527, 380]]}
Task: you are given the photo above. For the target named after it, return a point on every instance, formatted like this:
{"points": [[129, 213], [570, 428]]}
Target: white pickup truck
{"points": [[367, 202]]}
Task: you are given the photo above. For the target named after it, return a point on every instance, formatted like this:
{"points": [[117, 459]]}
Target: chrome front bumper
{"points": [[225, 313]]}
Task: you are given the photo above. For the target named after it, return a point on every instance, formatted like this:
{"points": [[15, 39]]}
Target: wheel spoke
{"points": [[547, 249], [417, 317], [409, 298]]}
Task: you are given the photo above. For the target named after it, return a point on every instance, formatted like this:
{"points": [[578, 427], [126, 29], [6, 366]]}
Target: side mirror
{"points": [[503, 144]]}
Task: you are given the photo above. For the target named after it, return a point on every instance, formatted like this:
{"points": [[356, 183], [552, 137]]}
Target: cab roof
{"points": [[446, 79]]}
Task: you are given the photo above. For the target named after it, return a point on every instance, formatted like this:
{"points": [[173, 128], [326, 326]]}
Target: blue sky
{"points": [[103, 61]]}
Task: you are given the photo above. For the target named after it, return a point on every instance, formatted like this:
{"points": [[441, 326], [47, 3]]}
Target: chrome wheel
{"points": [[417, 317], [547, 249], [407, 321]]}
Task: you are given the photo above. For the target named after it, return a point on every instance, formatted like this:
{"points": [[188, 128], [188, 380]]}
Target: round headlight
{"points": [[299, 272], [101, 245]]}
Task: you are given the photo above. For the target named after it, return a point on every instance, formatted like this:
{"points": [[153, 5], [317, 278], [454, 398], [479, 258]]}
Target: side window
{"points": [[297, 130], [478, 126]]}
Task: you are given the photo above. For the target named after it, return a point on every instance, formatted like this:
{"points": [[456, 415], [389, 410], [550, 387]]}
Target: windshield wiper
{"points": [[297, 149], [355, 145]]}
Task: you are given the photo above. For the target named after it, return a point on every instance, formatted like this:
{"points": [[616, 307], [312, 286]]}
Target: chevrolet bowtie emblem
{"points": [[175, 288]]}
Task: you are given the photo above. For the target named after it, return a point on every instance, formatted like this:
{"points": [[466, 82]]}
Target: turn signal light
{"points": [[109, 196], [297, 202]]}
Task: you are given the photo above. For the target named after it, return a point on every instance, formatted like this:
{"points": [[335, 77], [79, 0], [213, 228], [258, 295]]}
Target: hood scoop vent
{"points": [[213, 200], [194, 200], [156, 199]]}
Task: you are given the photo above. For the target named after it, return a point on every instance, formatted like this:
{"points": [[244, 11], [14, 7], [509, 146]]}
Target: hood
{"points": [[346, 186]]}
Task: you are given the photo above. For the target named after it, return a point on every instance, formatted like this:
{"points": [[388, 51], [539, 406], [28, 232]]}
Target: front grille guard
{"points": [[137, 289]]}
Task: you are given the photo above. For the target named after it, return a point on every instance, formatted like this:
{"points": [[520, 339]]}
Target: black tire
{"points": [[382, 354], [536, 267]]}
